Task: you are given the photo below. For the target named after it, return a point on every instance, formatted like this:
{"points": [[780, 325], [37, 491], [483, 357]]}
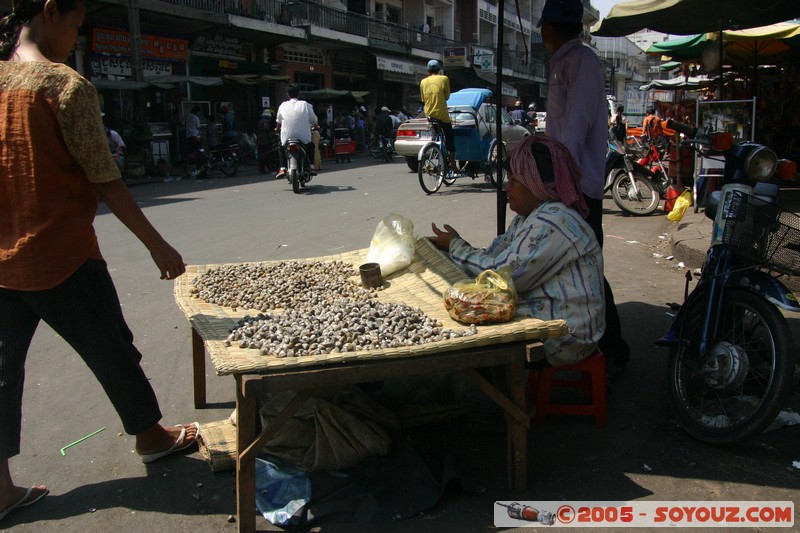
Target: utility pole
{"points": [[501, 195]]}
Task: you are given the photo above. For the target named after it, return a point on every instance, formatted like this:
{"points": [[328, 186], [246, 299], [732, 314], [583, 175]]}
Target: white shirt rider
{"points": [[296, 118]]}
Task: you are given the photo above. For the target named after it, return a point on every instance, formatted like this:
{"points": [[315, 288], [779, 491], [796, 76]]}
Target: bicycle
{"points": [[434, 167], [478, 154]]}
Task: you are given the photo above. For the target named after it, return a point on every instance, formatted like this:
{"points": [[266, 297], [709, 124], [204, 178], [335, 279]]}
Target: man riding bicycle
{"points": [[295, 119], [435, 90]]}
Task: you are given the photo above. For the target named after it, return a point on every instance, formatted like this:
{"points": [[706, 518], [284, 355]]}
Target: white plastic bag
{"points": [[393, 244]]}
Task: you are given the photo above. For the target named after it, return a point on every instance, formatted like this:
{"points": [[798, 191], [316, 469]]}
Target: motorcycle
{"points": [[654, 153], [222, 159], [298, 170], [732, 361], [632, 185], [381, 147]]}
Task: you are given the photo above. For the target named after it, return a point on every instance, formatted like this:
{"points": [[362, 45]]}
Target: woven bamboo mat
{"points": [[217, 445], [420, 285]]}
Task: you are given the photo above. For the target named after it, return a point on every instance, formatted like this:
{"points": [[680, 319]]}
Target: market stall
{"points": [[421, 285]]}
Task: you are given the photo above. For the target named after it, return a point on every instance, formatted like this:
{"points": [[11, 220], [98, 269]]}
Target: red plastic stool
{"points": [[592, 381]]}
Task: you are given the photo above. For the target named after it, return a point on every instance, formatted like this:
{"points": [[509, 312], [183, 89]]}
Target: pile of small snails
{"points": [[343, 326], [266, 286]]}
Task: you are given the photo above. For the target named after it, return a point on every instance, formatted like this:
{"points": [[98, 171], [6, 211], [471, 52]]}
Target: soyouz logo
{"points": [[644, 514]]}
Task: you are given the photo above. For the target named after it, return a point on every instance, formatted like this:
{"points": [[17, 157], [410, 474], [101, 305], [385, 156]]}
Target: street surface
{"points": [[100, 485]]}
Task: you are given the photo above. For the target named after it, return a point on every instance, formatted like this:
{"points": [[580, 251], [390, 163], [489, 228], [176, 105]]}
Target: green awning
{"points": [[669, 65], [684, 48]]}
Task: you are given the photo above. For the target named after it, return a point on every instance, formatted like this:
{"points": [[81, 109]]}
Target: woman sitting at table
{"points": [[557, 261]]}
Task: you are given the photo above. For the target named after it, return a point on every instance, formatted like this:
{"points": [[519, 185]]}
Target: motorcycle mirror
{"points": [[786, 169], [721, 141]]}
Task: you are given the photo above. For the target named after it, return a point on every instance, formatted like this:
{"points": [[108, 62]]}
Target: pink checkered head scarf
{"points": [[547, 169]]}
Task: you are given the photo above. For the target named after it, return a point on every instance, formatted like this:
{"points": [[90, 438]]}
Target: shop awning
{"points": [[253, 79], [393, 64], [334, 96], [680, 82]]}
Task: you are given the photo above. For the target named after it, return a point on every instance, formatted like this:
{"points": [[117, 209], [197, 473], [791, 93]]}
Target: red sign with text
{"points": [[117, 42]]}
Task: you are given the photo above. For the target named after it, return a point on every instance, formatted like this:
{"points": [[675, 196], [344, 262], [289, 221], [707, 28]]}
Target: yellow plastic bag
{"points": [[490, 298], [681, 205]]}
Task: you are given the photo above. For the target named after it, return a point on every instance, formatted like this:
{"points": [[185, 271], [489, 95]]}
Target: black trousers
{"points": [[612, 344], [85, 311]]}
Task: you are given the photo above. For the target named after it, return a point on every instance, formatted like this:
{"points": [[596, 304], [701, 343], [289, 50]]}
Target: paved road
{"points": [[100, 486]]}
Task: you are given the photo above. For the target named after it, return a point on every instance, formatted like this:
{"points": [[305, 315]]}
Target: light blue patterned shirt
{"points": [[558, 274]]}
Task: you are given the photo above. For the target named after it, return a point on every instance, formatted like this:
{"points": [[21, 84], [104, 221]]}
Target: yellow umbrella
{"points": [[756, 45]]}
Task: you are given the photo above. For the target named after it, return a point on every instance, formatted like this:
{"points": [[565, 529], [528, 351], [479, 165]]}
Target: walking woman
{"points": [[54, 165]]}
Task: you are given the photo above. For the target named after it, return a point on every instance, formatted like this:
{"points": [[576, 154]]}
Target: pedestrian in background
{"points": [[264, 129], [51, 268], [577, 115], [212, 132]]}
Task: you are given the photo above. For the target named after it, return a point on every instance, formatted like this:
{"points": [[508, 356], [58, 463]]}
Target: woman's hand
{"points": [[442, 239]]}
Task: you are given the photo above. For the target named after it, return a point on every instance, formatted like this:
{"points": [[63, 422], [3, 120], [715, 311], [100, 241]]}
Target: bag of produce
{"points": [[490, 298]]}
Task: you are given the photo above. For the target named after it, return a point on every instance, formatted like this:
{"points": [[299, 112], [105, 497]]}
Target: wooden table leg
{"points": [[198, 369], [516, 432], [245, 466]]}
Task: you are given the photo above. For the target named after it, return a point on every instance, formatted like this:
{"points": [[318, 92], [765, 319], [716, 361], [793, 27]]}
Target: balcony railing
{"points": [[304, 13], [517, 62]]}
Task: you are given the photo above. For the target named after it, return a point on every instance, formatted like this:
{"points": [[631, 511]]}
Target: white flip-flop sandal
{"points": [[176, 447], [22, 503]]}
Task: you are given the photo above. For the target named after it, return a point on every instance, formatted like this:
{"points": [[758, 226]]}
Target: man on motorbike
{"points": [[383, 123], [295, 118]]}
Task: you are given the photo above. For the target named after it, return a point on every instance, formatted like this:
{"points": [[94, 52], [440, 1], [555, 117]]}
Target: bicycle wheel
{"points": [[743, 383], [642, 203], [431, 169], [490, 166]]}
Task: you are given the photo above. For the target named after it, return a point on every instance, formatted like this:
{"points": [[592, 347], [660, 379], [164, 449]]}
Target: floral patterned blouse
{"points": [[557, 271]]}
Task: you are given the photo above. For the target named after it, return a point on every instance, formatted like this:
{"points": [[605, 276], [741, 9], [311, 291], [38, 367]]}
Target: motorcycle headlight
{"points": [[760, 164]]}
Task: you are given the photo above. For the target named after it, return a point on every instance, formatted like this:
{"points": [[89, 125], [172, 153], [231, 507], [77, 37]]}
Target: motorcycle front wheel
{"points": [[737, 391], [374, 148], [386, 151], [642, 203], [431, 169]]}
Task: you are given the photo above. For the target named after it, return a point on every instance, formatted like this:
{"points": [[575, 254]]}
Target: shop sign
{"points": [[394, 65], [220, 46], [121, 66], [117, 42], [635, 100], [508, 90], [484, 59], [455, 57]]}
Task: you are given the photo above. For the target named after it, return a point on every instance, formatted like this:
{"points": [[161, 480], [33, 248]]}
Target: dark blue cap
{"points": [[562, 11]]}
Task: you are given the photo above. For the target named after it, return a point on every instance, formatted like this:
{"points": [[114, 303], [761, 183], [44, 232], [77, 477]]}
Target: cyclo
{"points": [[476, 146]]}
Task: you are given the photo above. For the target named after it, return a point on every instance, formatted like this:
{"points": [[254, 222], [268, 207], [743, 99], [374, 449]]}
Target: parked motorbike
{"points": [[732, 357], [207, 163], [298, 170], [632, 185], [653, 155]]}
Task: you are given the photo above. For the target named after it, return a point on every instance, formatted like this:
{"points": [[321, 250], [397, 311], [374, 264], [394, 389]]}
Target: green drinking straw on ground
{"points": [[80, 440]]}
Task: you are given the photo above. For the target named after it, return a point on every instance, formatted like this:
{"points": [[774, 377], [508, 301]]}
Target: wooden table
{"points": [[509, 351]]}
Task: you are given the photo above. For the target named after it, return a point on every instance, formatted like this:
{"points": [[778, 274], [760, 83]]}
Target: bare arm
{"points": [[121, 202], [442, 239]]}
